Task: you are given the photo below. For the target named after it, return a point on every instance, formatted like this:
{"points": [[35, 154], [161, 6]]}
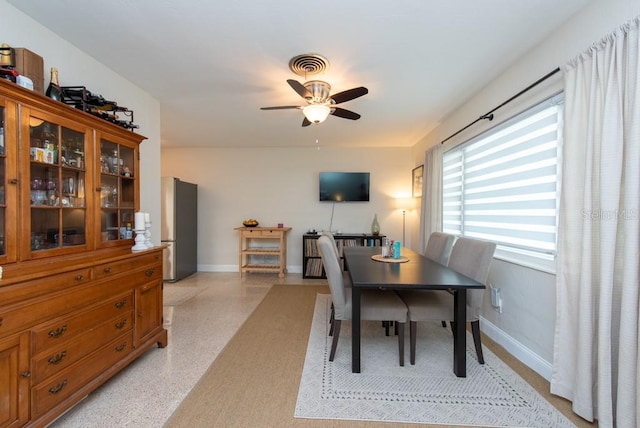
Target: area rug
{"points": [[492, 394]]}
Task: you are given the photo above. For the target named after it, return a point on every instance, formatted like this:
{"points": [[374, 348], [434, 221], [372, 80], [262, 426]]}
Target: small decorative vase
{"points": [[375, 227]]}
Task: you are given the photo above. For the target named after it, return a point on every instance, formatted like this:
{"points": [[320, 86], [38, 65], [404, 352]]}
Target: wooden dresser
{"points": [[76, 304]]}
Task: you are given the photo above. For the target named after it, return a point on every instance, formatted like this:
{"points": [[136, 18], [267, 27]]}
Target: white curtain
{"points": [[431, 206], [596, 338]]}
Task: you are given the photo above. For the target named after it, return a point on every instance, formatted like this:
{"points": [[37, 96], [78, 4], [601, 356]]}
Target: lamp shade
{"points": [[405, 204], [316, 113]]}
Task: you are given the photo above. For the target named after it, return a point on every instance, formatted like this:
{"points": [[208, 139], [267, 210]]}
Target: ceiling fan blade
{"points": [[349, 94], [278, 107], [346, 114], [299, 88], [306, 122]]}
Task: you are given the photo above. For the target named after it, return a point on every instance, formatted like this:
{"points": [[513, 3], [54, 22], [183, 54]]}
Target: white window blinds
{"points": [[502, 185]]}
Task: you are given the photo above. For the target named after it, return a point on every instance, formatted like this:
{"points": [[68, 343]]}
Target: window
{"points": [[502, 185]]}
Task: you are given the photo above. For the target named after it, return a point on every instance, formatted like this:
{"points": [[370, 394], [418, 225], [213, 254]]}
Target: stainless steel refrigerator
{"points": [[179, 228]]}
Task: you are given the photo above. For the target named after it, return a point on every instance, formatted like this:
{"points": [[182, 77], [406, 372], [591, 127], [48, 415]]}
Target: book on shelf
{"points": [[311, 247], [314, 267]]}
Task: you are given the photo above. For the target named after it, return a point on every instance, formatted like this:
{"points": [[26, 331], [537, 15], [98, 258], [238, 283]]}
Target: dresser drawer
{"points": [[262, 233], [59, 357], [150, 273], [31, 312], [42, 286], [63, 329], [250, 233], [54, 391], [127, 265]]}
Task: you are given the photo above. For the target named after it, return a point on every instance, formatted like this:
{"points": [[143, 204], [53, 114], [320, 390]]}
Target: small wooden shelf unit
{"points": [[248, 249], [311, 260]]}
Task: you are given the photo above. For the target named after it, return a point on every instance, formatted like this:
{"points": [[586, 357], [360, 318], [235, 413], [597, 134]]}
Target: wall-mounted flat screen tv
{"points": [[344, 186]]}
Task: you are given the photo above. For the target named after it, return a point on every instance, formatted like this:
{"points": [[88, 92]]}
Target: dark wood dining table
{"points": [[418, 273]]}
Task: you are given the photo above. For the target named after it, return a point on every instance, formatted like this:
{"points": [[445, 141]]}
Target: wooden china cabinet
{"points": [[76, 304]]}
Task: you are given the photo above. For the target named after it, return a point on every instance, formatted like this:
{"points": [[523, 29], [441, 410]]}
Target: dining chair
{"points": [[439, 247], [375, 305], [329, 235], [347, 282], [470, 257], [438, 250]]}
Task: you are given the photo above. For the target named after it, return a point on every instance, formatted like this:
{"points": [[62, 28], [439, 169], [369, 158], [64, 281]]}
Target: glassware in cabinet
{"points": [[117, 191], [57, 178]]}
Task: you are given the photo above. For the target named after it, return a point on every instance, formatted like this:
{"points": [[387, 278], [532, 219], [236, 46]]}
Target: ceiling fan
{"points": [[320, 103]]}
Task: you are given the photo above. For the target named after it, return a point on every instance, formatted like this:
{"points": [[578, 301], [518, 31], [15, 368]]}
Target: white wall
{"points": [[526, 325], [78, 69], [280, 185]]}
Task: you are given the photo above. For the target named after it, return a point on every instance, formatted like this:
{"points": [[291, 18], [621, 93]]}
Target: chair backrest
{"points": [[439, 247], [472, 257], [333, 241], [334, 276]]}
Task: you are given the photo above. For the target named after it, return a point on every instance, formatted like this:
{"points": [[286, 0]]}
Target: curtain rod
{"points": [[489, 115]]}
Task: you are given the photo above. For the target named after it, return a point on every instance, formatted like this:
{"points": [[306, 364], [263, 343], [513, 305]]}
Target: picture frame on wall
{"points": [[416, 180]]}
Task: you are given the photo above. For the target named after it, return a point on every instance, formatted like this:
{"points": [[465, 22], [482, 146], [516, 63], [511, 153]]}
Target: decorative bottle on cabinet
{"points": [[53, 91], [375, 227]]}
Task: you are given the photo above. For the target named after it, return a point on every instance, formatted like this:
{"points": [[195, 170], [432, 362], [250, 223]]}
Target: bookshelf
{"points": [[311, 260]]}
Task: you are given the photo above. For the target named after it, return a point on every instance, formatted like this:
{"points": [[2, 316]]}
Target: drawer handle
{"points": [[80, 277], [56, 389], [58, 332], [121, 304], [107, 269], [13, 181], [121, 347], [121, 324], [56, 359], [157, 257], [150, 272], [26, 374]]}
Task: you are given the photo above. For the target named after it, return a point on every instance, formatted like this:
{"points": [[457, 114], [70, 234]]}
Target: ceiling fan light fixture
{"points": [[316, 113]]}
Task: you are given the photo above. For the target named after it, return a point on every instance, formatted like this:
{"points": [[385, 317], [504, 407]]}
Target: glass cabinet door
{"points": [[57, 186], [8, 181], [117, 191]]}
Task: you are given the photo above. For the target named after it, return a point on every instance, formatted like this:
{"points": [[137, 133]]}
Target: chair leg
{"points": [[395, 328], [400, 328], [336, 335], [385, 324], [444, 324], [332, 319], [475, 330], [413, 330]]}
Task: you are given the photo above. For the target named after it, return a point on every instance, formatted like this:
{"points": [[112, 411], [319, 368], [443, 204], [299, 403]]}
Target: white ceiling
{"points": [[213, 64]]}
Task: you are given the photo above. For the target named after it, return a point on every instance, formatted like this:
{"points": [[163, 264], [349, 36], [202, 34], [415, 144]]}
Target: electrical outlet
{"points": [[496, 298]]}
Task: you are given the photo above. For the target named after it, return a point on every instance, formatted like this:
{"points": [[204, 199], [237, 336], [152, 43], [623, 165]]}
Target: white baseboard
{"points": [[217, 268], [517, 349]]}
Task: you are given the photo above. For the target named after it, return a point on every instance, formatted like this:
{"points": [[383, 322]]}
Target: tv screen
{"points": [[344, 186]]}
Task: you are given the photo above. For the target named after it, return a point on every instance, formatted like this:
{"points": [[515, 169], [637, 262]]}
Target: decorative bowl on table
{"points": [[250, 223]]}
